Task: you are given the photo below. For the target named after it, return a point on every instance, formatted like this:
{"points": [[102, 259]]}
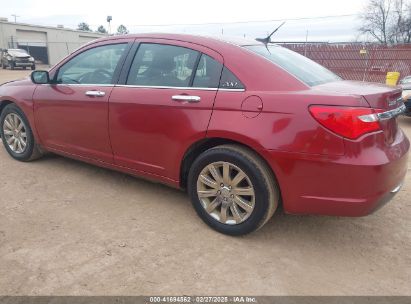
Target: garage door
{"points": [[32, 38], [35, 43]]}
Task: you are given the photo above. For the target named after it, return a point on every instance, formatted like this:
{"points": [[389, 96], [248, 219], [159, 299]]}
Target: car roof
{"points": [[236, 40], [199, 39]]}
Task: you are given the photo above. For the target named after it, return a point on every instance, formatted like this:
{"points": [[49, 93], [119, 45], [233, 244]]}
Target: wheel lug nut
{"points": [[222, 185], [232, 195]]}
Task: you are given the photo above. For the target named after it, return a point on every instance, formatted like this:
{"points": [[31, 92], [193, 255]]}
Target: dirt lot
{"points": [[68, 228]]}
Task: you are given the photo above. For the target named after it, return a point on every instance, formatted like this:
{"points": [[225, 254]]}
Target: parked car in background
{"points": [[405, 84], [16, 58], [240, 125]]}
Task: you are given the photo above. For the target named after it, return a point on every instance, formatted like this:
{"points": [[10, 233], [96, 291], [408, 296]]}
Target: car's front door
{"points": [[72, 113], [164, 104]]}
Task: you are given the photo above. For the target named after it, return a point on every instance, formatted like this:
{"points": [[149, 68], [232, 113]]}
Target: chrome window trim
{"points": [[178, 88], [231, 90], [83, 84], [143, 87]]}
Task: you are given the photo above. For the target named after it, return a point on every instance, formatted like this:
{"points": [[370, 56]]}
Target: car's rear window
{"points": [[308, 71]]}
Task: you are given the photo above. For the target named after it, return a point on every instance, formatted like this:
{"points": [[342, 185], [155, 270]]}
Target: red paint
{"points": [[252, 106], [68, 120], [142, 131]]}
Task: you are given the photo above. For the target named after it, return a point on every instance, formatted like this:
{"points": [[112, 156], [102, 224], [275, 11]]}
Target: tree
{"points": [[387, 21], [406, 26], [377, 19], [82, 26], [102, 29], [122, 30], [401, 32]]}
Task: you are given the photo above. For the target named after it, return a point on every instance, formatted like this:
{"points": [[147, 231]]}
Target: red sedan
{"points": [[242, 126]]}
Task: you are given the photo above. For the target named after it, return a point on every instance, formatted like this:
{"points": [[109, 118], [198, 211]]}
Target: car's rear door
{"points": [[162, 104], [72, 113]]}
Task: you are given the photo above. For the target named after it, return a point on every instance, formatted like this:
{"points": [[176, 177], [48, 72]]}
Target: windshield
{"points": [[17, 52], [406, 80], [306, 70]]}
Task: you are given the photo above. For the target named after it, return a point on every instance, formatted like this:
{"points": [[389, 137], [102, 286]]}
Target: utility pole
{"points": [[109, 18], [15, 17]]}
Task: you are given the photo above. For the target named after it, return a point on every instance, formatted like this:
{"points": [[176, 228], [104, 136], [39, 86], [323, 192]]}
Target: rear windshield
{"points": [[308, 71]]}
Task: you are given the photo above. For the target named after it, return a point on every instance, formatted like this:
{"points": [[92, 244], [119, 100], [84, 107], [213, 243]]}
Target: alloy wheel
{"points": [[15, 135], [226, 193]]}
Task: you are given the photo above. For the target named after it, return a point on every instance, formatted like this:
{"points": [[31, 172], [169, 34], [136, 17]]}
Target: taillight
{"points": [[349, 122]]}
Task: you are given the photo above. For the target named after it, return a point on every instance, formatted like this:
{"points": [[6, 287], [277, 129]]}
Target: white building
{"points": [[46, 44]]}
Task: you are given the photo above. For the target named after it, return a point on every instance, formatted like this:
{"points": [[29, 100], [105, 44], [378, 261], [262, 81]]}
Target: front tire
{"points": [[17, 135], [12, 65], [33, 67], [232, 189]]}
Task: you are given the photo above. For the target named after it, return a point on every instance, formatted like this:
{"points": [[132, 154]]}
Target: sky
{"points": [[320, 20]]}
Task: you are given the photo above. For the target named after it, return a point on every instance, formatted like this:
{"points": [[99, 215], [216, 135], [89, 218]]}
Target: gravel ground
{"points": [[68, 228]]}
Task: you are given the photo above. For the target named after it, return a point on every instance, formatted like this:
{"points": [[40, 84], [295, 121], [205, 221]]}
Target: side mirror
{"points": [[40, 77]]}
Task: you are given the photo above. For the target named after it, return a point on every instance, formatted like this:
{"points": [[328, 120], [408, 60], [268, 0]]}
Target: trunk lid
{"points": [[378, 96]]}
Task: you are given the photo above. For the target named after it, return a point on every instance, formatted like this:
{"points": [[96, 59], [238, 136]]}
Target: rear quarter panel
{"points": [[283, 124]]}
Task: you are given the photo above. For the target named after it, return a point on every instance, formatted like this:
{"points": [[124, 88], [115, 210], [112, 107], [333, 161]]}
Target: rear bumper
{"points": [[355, 184]]}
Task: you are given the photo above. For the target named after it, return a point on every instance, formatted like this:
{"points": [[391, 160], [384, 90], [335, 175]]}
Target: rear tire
{"points": [[256, 196], [12, 66], [33, 67], [10, 120], [3, 65]]}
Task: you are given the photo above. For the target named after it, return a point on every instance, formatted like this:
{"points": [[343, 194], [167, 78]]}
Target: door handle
{"points": [[95, 93], [186, 98]]}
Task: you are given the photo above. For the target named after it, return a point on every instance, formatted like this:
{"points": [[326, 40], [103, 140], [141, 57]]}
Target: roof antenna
{"points": [[267, 40]]}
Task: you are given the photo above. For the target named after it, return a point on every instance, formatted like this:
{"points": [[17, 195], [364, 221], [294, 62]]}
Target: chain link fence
{"points": [[353, 61]]}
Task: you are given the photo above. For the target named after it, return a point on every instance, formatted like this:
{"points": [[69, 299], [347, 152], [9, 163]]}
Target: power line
{"points": [[243, 22], [229, 23]]}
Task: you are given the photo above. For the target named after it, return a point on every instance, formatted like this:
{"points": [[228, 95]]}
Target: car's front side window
{"points": [[162, 65], [94, 66]]}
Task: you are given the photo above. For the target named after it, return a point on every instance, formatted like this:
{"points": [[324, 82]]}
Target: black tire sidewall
{"points": [[9, 109], [256, 177]]}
